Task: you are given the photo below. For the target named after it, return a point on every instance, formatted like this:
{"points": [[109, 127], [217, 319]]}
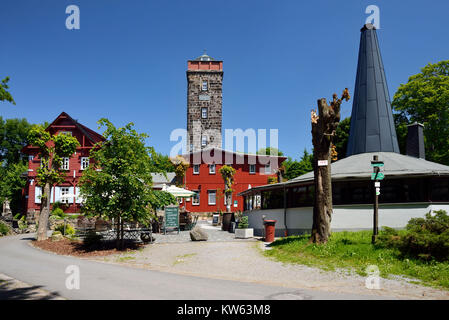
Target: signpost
{"points": [[171, 219], [376, 176]]}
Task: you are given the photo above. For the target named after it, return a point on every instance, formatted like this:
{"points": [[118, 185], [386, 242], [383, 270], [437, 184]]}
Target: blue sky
{"points": [[128, 60]]}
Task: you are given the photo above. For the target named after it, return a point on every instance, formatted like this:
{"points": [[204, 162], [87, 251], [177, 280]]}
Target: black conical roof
{"points": [[372, 124]]}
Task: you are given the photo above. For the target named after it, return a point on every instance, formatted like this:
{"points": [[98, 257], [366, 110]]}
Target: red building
{"points": [[73, 166], [203, 176]]}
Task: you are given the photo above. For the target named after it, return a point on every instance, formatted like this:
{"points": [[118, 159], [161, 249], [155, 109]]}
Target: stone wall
{"points": [[198, 99]]}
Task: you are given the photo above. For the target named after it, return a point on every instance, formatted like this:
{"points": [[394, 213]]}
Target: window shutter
{"points": [[71, 192], [57, 193], [37, 194], [52, 194], [77, 193]]}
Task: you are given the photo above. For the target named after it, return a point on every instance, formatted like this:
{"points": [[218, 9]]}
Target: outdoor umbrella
{"points": [[178, 192]]}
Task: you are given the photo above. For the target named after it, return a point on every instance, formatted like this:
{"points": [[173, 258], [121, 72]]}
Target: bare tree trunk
{"points": [[228, 201], [323, 130], [44, 214]]}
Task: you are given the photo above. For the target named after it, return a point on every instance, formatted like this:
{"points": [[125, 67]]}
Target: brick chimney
{"points": [[415, 141]]}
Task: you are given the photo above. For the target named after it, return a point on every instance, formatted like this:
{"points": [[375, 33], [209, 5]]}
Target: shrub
{"points": [[58, 212], [243, 223], [69, 230], [425, 238], [92, 238], [4, 229]]}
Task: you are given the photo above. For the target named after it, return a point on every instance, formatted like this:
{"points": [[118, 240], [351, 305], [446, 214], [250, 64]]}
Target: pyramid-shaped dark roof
{"points": [[372, 124]]}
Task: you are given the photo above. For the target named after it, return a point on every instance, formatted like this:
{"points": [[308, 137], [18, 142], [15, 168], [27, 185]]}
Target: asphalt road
{"points": [[106, 281]]}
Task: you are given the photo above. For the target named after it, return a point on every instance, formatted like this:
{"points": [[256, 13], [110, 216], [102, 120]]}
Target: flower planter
{"points": [[244, 233]]}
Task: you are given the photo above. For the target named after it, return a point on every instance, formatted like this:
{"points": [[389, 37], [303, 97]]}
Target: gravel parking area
{"points": [[223, 257]]}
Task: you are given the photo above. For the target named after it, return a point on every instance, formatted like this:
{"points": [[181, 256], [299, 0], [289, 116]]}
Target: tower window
{"points": [[204, 113], [204, 86], [203, 141]]}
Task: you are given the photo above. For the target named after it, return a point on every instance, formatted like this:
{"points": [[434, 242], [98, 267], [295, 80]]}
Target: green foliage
{"points": [[117, 184], [69, 230], [227, 173], [180, 165], [272, 180], [12, 183], [353, 251], [4, 94], [425, 238], [295, 168], [51, 154], [270, 151], [160, 163], [4, 229], [425, 99], [13, 137], [341, 137], [243, 223], [22, 223], [58, 212]]}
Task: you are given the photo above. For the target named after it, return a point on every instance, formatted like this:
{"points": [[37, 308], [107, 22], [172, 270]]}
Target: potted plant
{"points": [[227, 173], [243, 231]]}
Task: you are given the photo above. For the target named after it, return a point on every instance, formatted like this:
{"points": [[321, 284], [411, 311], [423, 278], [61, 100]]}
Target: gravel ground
{"points": [[223, 257]]}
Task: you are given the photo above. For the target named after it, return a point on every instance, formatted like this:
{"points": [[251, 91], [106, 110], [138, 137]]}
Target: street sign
{"points": [[377, 164], [377, 176], [322, 163]]}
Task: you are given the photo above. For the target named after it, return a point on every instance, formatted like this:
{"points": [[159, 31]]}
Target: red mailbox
{"points": [[269, 230]]}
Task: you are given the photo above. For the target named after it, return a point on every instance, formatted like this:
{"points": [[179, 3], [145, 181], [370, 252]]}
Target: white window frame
{"points": [[30, 158], [65, 165], [254, 169], [203, 141], [196, 171], [63, 191], [209, 192], [212, 171], [204, 113], [84, 163], [196, 199], [204, 85]]}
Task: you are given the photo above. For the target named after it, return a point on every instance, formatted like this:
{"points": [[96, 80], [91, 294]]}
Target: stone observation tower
{"points": [[204, 103], [372, 124]]}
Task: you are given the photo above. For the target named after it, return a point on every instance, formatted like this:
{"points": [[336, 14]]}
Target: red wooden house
{"points": [[203, 176], [73, 166]]}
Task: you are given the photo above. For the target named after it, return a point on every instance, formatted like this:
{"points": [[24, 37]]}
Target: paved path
{"points": [[107, 281]]}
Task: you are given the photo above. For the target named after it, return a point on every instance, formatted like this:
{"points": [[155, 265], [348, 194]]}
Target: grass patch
{"points": [[181, 258], [353, 251], [124, 259]]}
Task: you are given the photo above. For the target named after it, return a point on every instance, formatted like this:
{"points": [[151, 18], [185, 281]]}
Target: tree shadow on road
{"points": [[12, 290]]}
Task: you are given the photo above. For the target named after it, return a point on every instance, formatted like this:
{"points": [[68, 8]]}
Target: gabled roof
{"points": [[93, 136]]}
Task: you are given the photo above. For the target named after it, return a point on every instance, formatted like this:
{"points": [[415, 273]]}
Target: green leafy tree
{"points": [[227, 173], [13, 137], [11, 184], [4, 94], [294, 168], [270, 151], [117, 183], [160, 163], [180, 165], [51, 151], [425, 99], [341, 137]]}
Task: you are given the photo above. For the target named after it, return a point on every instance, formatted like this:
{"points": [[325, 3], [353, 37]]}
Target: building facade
{"points": [[204, 103], [73, 166], [203, 176]]}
